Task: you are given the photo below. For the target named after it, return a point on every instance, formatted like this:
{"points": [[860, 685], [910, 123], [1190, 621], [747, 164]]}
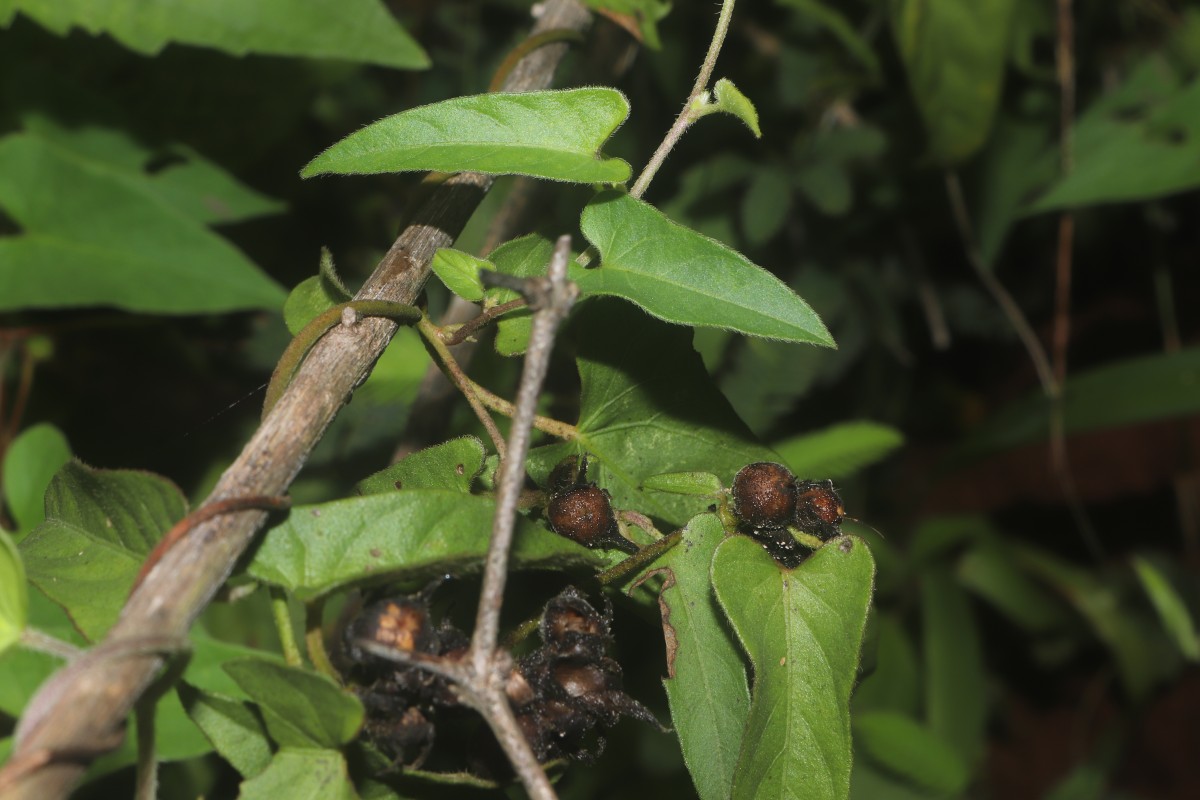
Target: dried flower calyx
{"points": [[768, 500], [569, 686], [582, 511], [401, 701]]}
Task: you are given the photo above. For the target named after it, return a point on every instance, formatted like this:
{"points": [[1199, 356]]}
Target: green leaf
{"points": [[29, 464], [189, 182], [839, 451], [300, 708], [355, 30], [894, 685], [906, 747], [1170, 607], [765, 205], [955, 684], [989, 570], [14, 597], [314, 296], [205, 669], [525, 257], [730, 100], [827, 187], [460, 272], [23, 671], [954, 54], [706, 679], [802, 630], [451, 465], [100, 525], [412, 533], [682, 277], [232, 727], [647, 410], [1139, 142], [114, 239], [837, 24], [1127, 392], [301, 775], [1014, 166], [697, 484], [552, 134]]}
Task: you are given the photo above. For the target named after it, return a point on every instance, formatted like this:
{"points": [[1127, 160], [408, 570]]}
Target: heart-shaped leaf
{"points": [[552, 134], [100, 525], [802, 630], [706, 677]]}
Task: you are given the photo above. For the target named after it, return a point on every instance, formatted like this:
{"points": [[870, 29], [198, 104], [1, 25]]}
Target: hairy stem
{"points": [[688, 115], [283, 624], [459, 378]]}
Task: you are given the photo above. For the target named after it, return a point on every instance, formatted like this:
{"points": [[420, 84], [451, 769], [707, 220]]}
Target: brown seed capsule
{"points": [[764, 495], [819, 509], [580, 510]]}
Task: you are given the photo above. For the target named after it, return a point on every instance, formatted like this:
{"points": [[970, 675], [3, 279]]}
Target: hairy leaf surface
{"points": [[100, 525], [681, 276], [413, 533], [706, 677], [97, 233], [802, 630], [552, 134], [355, 30]]}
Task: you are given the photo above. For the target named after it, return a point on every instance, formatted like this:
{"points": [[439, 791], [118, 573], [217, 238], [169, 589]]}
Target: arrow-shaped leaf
{"points": [[554, 134]]}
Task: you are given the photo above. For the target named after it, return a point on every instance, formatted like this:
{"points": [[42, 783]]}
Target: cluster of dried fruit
{"points": [[401, 702], [569, 686], [768, 499], [561, 692]]}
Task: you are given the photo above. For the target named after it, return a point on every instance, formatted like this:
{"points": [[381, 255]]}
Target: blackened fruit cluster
{"points": [[401, 702], [768, 498], [569, 686], [560, 693], [582, 511]]}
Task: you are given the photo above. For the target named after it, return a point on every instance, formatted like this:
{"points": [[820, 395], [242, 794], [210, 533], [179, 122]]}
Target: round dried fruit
{"points": [[764, 495]]}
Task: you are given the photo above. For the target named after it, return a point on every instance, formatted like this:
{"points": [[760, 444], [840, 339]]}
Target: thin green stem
{"points": [[688, 115], [640, 560], [554, 427], [459, 378], [472, 326], [314, 639], [283, 624], [346, 314], [1037, 354]]}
